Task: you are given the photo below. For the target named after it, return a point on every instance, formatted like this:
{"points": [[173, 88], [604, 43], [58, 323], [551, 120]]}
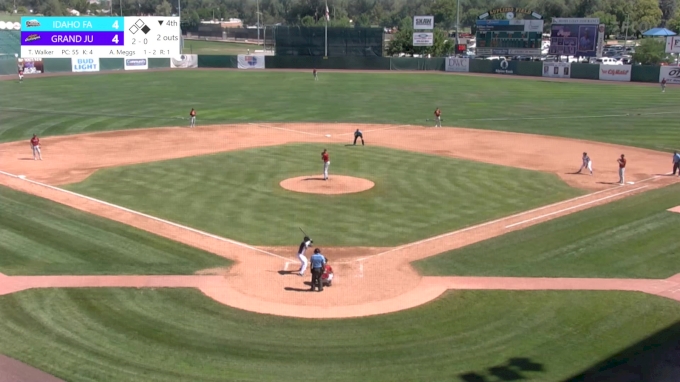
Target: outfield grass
{"points": [[237, 194], [75, 104], [217, 47], [634, 237], [40, 237], [180, 335]]}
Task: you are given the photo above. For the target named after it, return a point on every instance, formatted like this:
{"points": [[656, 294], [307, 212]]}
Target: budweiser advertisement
{"points": [[615, 72]]}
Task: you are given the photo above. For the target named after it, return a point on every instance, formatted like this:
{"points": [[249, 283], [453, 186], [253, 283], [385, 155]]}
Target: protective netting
{"points": [[311, 41], [10, 44]]}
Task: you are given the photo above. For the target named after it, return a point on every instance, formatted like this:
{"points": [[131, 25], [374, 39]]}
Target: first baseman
{"points": [[35, 146], [622, 168], [306, 242], [326, 162]]}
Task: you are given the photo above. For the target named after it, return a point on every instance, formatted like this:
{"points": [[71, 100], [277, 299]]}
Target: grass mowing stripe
{"points": [[40, 237], [174, 335], [406, 204], [516, 105], [631, 238]]}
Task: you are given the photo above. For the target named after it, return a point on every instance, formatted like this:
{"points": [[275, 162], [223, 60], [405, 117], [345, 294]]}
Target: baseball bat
{"points": [[305, 233]]}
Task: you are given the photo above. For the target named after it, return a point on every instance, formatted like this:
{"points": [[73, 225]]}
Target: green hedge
{"points": [[585, 71], [410, 63], [311, 62], [645, 73], [111, 64], [481, 66], [216, 61], [8, 67], [55, 65], [159, 63]]}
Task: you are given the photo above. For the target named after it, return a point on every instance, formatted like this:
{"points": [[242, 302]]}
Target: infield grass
{"points": [[41, 237], [218, 47], [180, 335], [237, 194], [592, 111], [631, 238]]}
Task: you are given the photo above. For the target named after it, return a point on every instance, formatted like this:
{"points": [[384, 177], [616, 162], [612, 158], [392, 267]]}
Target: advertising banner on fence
{"points": [[184, 61], [423, 22], [574, 37], [423, 39], [79, 65], [31, 65], [671, 74], [250, 62], [455, 64], [504, 66], [615, 72], [136, 64], [673, 44], [557, 69]]}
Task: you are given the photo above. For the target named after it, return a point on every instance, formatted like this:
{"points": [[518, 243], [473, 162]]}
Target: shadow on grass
{"points": [[513, 370], [654, 359]]}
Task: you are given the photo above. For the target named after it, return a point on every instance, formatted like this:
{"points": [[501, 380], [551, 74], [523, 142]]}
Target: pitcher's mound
{"points": [[336, 184]]}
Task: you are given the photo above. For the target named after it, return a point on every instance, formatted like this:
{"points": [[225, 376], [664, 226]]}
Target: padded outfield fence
{"points": [[638, 73]]}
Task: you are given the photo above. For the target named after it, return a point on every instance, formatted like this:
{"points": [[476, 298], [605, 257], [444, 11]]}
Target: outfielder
{"points": [[326, 162], [438, 117], [316, 78], [663, 85], [35, 146], [21, 74], [587, 164], [192, 117], [306, 242]]}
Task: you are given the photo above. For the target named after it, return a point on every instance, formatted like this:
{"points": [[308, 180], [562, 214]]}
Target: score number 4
{"points": [[115, 37]]}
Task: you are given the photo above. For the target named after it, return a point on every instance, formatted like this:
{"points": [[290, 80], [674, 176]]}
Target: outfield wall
{"points": [[625, 73]]}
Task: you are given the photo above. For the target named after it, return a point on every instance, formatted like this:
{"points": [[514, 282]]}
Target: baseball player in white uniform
{"points": [[587, 164], [306, 242]]}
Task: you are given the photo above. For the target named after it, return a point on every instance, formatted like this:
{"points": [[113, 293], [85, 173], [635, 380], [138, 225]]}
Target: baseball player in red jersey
{"points": [[35, 146], [21, 74], [326, 162], [315, 76], [438, 118], [192, 117], [622, 169]]}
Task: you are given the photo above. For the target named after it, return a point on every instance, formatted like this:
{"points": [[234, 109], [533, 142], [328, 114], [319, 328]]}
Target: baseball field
{"points": [[140, 249]]}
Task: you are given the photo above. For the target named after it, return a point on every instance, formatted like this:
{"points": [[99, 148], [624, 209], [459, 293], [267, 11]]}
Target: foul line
{"points": [[147, 216], [494, 221], [573, 207]]}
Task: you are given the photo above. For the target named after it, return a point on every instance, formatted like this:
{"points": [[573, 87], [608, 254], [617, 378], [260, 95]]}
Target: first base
{"points": [[328, 135], [631, 182]]}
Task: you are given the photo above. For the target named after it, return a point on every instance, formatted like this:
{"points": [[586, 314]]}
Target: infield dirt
{"points": [[368, 280]]}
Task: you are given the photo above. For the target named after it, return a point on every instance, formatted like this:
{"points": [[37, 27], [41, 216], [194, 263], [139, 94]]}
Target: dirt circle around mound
{"points": [[335, 185]]}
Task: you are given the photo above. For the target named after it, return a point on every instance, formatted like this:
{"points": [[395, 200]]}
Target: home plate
{"points": [[328, 135]]}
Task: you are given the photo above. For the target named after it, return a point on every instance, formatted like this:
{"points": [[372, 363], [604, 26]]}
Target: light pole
{"points": [[625, 43], [458, 23], [258, 22]]}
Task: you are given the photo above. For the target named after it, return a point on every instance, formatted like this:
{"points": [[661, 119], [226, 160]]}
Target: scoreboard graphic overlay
{"points": [[101, 37], [509, 37]]}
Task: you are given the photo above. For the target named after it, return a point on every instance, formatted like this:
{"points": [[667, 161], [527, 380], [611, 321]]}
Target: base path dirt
{"points": [[368, 280], [335, 185]]}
